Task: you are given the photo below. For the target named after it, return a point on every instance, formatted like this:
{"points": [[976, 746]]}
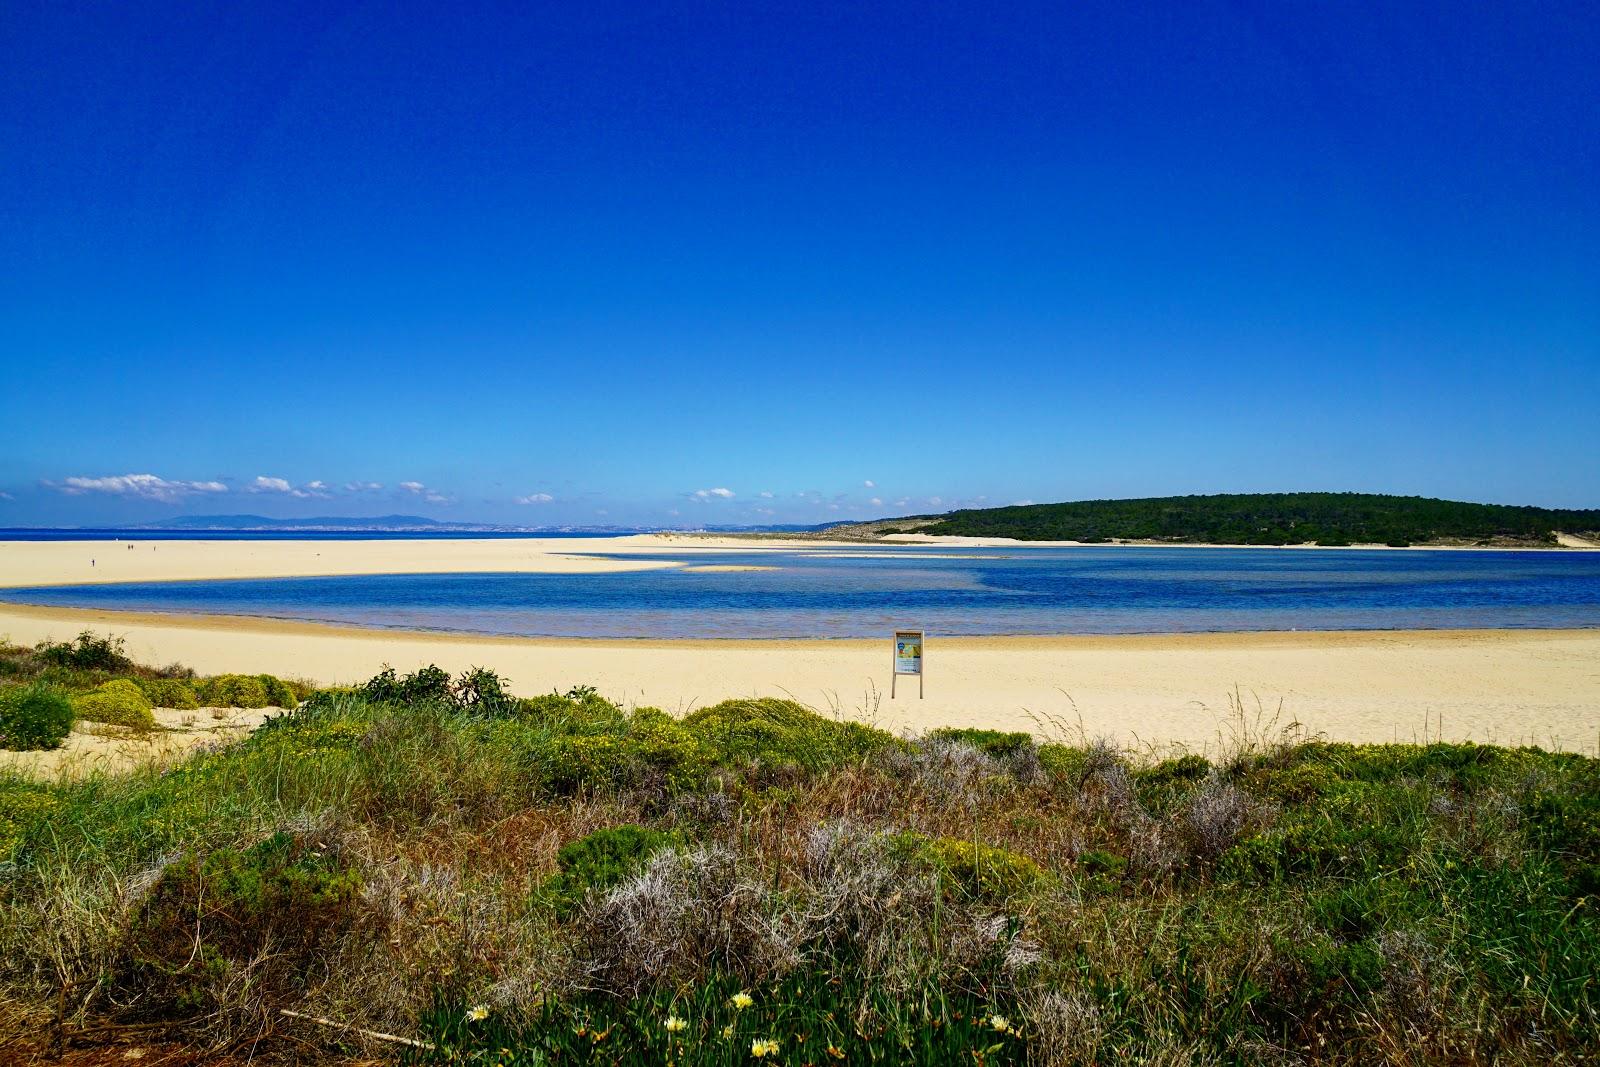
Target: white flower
{"points": [[1000, 1023], [674, 1024]]}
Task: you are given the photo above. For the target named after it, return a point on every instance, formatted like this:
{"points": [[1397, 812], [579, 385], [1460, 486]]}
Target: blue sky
{"points": [[791, 262]]}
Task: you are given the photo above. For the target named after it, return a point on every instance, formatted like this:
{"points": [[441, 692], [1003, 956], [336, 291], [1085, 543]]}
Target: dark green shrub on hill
{"points": [[117, 702], [33, 717]]}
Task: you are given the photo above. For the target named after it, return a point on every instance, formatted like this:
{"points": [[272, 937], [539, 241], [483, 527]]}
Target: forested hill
{"points": [[1264, 519]]}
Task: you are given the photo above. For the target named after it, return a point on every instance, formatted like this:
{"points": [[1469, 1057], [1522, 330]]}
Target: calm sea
{"points": [[869, 591]]}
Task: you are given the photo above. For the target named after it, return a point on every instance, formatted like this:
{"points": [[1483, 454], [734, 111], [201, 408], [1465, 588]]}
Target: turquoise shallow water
{"points": [[868, 592]]}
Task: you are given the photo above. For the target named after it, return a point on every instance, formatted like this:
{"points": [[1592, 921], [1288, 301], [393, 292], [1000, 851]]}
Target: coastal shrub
{"points": [[480, 691], [983, 871], [776, 732], [601, 860], [245, 691], [997, 743], [1063, 763], [168, 692], [648, 748], [88, 652], [118, 702], [24, 807], [268, 906], [33, 717], [428, 683]]}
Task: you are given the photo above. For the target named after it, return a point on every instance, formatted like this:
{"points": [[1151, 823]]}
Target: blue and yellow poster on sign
{"points": [[908, 652]]}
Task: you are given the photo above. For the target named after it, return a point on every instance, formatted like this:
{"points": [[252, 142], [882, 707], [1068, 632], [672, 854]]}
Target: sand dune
{"points": [[1536, 686]]}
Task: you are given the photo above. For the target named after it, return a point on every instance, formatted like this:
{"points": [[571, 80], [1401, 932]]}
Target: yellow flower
{"points": [[477, 1013], [1000, 1023], [763, 1047], [674, 1024], [727, 1031], [741, 1000]]}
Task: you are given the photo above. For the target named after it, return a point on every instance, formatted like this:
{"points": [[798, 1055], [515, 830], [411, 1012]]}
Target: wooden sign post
{"points": [[907, 658]]}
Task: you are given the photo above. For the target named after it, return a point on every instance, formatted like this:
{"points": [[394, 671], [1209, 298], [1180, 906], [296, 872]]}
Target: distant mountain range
{"points": [[412, 523]]}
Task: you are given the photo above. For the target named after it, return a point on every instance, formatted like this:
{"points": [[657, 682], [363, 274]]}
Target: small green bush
{"points": [[780, 732], [118, 702], [23, 807], [997, 743], [33, 717], [284, 896], [168, 692], [87, 653], [234, 691], [979, 871], [603, 859], [1062, 763]]}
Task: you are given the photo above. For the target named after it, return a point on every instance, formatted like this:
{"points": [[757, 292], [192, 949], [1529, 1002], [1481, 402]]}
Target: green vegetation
{"points": [[562, 880], [33, 717], [118, 703], [1271, 519]]}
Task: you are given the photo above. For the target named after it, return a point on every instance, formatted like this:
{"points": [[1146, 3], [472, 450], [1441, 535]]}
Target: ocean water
{"points": [[870, 591]]}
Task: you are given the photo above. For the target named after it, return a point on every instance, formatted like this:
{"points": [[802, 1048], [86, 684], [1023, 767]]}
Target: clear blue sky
{"points": [[617, 256]]}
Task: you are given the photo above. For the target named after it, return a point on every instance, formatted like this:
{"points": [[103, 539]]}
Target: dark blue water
{"points": [[868, 592]]}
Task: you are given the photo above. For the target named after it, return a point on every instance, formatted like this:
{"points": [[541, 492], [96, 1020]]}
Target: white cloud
{"points": [[902, 502], [1020, 503], [5, 495], [535, 498], [265, 484], [870, 484], [413, 487], [143, 486], [935, 501], [876, 502], [713, 494], [363, 487], [766, 494]]}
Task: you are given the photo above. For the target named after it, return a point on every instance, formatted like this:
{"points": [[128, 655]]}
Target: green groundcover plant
{"points": [[561, 879]]}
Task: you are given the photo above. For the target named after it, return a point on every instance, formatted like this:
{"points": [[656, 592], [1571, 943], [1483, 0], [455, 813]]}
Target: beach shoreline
{"points": [[1171, 689]]}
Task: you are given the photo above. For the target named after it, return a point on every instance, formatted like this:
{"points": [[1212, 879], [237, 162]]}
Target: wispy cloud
{"points": [[139, 486], [5, 495], [713, 494], [267, 484], [430, 496], [876, 502], [1020, 503], [869, 484], [362, 487], [535, 498], [766, 494]]}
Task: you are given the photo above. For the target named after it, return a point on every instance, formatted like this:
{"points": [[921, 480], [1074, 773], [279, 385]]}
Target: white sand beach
{"points": [[1509, 686]]}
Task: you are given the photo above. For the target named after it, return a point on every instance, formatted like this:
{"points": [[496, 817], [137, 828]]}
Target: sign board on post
{"points": [[907, 658]]}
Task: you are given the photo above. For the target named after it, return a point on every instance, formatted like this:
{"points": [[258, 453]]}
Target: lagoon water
{"points": [[869, 591]]}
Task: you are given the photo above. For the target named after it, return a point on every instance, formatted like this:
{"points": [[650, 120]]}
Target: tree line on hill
{"points": [[1270, 519]]}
